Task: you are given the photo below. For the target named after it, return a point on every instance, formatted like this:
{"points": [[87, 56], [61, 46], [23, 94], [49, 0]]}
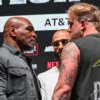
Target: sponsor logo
{"points": [[52, 64], [55, 22], [17, 2], [48, 22], [49, 49], [34, 66], [33, 52], [96, 92]]}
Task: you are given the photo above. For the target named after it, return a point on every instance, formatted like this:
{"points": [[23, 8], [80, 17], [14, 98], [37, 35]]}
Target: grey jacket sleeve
{"points": [[3, 81]]}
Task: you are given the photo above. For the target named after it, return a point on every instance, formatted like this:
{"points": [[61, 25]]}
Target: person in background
{"points": [[49, 78], [79, 78], [17, 79]]}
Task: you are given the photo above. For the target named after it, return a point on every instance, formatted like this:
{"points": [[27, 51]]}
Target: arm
{"points": [[3, 82], [69, 66]]}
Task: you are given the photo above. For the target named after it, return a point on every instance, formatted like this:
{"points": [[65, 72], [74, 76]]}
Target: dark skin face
{"points": [[26, 36], [21, 32]]}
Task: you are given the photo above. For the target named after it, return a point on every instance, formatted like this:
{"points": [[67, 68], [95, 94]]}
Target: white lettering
{"points": [[96, 93], [39, 1], [0, 2], [73, 0], [34, 66], [49, 49], [12, 2], [59, 0], [17, 2]]}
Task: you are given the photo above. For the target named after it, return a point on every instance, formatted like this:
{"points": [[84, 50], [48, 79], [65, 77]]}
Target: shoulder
{"points": [[4, 51], [70, 47], [70, 53], [5, 54]]}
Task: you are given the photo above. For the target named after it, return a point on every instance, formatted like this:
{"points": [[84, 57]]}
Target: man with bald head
{"points": [[17, 79], [49, 78]]}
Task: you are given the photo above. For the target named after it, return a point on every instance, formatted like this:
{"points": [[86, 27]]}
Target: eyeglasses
{"points": [[63, 41]]}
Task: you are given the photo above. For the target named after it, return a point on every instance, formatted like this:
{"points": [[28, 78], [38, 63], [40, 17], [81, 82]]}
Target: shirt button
{"points": [[26, 67], [32, 85]]}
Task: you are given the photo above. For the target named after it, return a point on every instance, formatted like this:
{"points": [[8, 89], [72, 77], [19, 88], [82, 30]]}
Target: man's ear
{"points": [[83, 25], [12, 32]]}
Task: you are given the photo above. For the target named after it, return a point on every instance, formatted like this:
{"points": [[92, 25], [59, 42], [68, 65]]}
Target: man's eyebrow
{"points": [[30, 28]]}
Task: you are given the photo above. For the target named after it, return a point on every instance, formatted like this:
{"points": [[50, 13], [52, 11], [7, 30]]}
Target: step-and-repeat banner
{"points": [[47, 16]]}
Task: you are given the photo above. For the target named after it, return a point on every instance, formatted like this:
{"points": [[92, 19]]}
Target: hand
{"points": [[61, 94]]}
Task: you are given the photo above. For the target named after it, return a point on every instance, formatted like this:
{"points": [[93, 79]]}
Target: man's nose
{"points": [[34, 34], [69, 29], [60, 45]]}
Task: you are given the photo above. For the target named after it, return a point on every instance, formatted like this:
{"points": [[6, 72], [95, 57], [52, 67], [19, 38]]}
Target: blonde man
{"points": [[80, 75]]}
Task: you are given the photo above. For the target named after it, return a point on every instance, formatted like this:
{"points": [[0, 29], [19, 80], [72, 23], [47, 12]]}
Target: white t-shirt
{"points": [[48, 80]]}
